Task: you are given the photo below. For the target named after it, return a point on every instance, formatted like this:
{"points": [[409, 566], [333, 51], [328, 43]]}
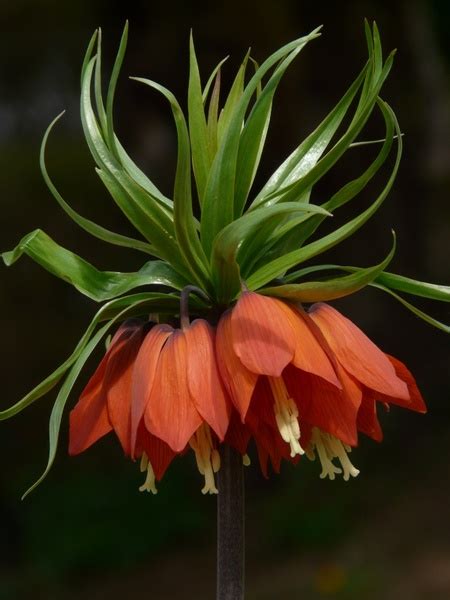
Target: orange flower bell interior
{"points": [[291, 382]]}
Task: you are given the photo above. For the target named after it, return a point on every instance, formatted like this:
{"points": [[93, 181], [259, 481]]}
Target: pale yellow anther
{"points": [[246, 460], [149, 484], [328, 447], [286, 415], [206, 456]]}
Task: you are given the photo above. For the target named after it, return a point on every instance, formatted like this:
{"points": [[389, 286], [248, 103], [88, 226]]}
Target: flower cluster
{"points": [[294, 382]]}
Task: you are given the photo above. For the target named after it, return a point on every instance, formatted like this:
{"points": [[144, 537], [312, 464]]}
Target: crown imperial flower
{"points": [[266, 361]]}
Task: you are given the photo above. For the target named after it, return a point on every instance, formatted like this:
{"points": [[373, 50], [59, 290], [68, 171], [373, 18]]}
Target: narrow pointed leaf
{"points": [[311, 149], [185, 229], [254, 135], [279, 266], [98, 285], [218, 205], [127, 306], [96, 230], [211, 79], [419, 313], [112, 90], [198, 132], [330, 289], [138, 205], [61, 399], [225, 267]]}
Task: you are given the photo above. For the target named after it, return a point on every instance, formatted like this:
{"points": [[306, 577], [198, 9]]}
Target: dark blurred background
{"points": [[87, 532]]}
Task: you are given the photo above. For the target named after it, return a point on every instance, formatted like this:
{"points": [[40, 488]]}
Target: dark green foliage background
{"points": [[87, 531]]}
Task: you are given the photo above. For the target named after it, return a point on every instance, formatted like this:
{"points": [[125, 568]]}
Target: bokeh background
{"points": [[87, 532]]}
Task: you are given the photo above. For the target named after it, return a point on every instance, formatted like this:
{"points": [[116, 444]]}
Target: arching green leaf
{"points": [[330, 289], [98, 285]]}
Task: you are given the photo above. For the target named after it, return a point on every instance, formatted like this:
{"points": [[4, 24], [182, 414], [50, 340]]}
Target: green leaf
{"points": [[254, 135], [225, 267], [60, 403], [213, 113], [423, 289], [419, 313], [142, 180], [98, 87], [88, 55], [348, 192], [330, 289], [279, 266], [198, 131], [234, 95], [185, 229], [97, 285], [295, 190], [414, 287], [112, 90], [109, 311], [96, 230], [61, 399], [218, 205], [143, 211], [306, 155], [211, 79]]}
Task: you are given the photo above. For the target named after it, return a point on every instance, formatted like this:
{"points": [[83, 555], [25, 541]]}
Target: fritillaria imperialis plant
{"points": [[240, 348]]}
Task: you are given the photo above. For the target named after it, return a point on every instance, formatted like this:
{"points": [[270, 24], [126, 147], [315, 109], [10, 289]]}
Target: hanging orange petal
{"points": [[357, 354], [367, 421], [262, 335], [309, 354], [158, 452], [416, 401], [321, 405], [205, 385], [238, 380], [117, 385], [170, 413], [144, 374], [89, 419]]}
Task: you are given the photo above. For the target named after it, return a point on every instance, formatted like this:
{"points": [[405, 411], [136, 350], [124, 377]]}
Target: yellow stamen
{"points": [[328, 447], [286, 415], [207, 457], [246, 460], [149, 483]]}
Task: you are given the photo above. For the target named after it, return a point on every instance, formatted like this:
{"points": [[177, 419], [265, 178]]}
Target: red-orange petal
{"points": [[357, 353], [416, 401], [309, 354], [238, 380], [158, 452], [321, 405], [89, 419], [117, 385], [144, 375], [367, 421], [170, 413], [262, 335], [205, 385], [238, 435]]}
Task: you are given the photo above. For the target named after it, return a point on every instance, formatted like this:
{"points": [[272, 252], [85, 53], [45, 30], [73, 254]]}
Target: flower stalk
{"points": [[230, 526]]}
